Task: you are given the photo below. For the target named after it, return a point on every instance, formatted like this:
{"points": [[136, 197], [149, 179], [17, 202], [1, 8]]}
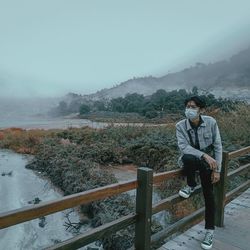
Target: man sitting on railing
{"points": [[199, 141]]}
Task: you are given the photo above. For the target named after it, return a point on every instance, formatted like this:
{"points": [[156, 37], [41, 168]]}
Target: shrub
{"points": [[84, 108]]}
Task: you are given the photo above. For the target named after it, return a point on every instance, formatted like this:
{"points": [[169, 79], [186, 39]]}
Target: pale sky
{"points": [[52, 47]]}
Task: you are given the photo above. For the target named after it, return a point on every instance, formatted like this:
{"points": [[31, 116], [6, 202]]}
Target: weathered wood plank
{"points": [[232, 194], [246, 193], [167, 175], [172, 245], [238, 171], [234, 236], [187, 242], [195, 234], [239, 152], [143, 208], [199, 228], [162, 248], [44, 208], [223, 245], [241, 204], [95, 234]]}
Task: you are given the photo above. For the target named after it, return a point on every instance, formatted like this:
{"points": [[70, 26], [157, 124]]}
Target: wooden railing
{"points": [[144, 208]]}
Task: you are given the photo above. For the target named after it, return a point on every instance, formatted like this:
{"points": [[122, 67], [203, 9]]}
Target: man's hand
{"points": [[215, 177], [211, 161]]}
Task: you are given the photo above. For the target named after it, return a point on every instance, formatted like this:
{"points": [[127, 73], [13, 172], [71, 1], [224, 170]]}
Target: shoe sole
{"points": [[205, 246], [183, 195]]}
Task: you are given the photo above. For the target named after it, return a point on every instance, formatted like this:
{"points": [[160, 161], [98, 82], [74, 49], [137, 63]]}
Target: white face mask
{"points": [[191, 114]]}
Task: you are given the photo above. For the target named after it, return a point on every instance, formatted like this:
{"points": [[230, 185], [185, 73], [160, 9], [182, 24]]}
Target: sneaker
{"points": [[207, 243], [186, 191]]}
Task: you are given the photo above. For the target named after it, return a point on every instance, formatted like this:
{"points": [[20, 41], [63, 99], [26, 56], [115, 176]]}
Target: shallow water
{"points": [[47, 123], [16, 191]]}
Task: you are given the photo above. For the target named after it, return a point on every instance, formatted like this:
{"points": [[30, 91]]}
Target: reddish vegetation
{"points": [[25, 150], [21, 140], [1, 135], [213, 112], [183, 209], [13, 129]]}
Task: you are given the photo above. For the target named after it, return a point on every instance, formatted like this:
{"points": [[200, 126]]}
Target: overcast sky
{"points": [[51, 47]]}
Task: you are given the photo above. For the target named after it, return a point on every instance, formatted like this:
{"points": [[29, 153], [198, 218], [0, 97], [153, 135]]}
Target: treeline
{"points": [[160, 102]]}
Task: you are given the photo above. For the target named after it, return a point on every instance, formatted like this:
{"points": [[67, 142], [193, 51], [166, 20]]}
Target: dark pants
{"points": [[191, 164]]}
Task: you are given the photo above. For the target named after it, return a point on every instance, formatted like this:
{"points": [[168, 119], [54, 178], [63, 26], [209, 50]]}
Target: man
{"points": [[200, 145]]}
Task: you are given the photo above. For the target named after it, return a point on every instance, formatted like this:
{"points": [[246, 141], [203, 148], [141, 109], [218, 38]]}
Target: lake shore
{"points": [[16, 192]]}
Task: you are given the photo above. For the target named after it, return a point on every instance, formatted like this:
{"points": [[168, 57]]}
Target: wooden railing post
{"points": [[220, 192], [143, 208]]}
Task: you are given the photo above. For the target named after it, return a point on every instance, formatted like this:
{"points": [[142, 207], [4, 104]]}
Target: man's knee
{"points": [[188, 159]]}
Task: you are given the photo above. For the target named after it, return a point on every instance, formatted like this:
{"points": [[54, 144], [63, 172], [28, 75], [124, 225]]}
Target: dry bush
{"points": [[235, 127], [23, 141]]}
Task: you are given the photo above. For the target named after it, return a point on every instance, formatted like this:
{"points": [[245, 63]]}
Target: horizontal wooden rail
{"points": [[180, 225], [95, 234], [238, 171], [169, 201], [239, 152], [28, 213], [166, 175], [235, 192]]}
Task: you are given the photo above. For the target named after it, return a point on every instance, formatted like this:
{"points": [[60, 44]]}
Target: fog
{"points": [[50, 48]]}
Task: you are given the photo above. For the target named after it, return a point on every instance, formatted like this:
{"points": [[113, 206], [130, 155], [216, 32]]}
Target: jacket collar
{"points": [[189, 127]]}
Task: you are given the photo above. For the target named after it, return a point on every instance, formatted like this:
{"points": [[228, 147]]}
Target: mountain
{"points": [[228, 78]]}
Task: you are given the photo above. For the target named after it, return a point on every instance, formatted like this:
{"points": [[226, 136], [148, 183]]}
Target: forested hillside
{"points": [[159, 104]]}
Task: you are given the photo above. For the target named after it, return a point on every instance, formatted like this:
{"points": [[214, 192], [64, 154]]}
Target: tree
{"points": [[84, 109], [74, 106], [133, 102], [117, 104], [99, 105], [151, 114], [62, 108], [195, 90], [158, 99]]}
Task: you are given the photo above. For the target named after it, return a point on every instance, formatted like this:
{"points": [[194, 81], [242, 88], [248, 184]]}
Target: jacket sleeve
{"points": [[184, 144], [217, 146]]}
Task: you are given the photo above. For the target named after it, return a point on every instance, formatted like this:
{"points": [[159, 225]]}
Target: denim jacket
{"points": [[208, 135]]}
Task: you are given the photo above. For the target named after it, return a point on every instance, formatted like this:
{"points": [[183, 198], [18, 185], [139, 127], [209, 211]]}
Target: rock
{"points": [[42, 221], [35, 201], [7, 173], [65, 141]]}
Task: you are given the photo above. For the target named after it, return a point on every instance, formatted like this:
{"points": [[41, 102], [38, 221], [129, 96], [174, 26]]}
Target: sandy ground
{"points": [[124, 172]]}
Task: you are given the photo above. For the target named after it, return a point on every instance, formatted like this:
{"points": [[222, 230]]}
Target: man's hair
{"points": [[197, 100]]}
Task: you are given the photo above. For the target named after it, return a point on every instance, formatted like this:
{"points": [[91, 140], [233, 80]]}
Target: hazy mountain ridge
{"points": [[226, 78], [229, 78], [23, 107]]}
